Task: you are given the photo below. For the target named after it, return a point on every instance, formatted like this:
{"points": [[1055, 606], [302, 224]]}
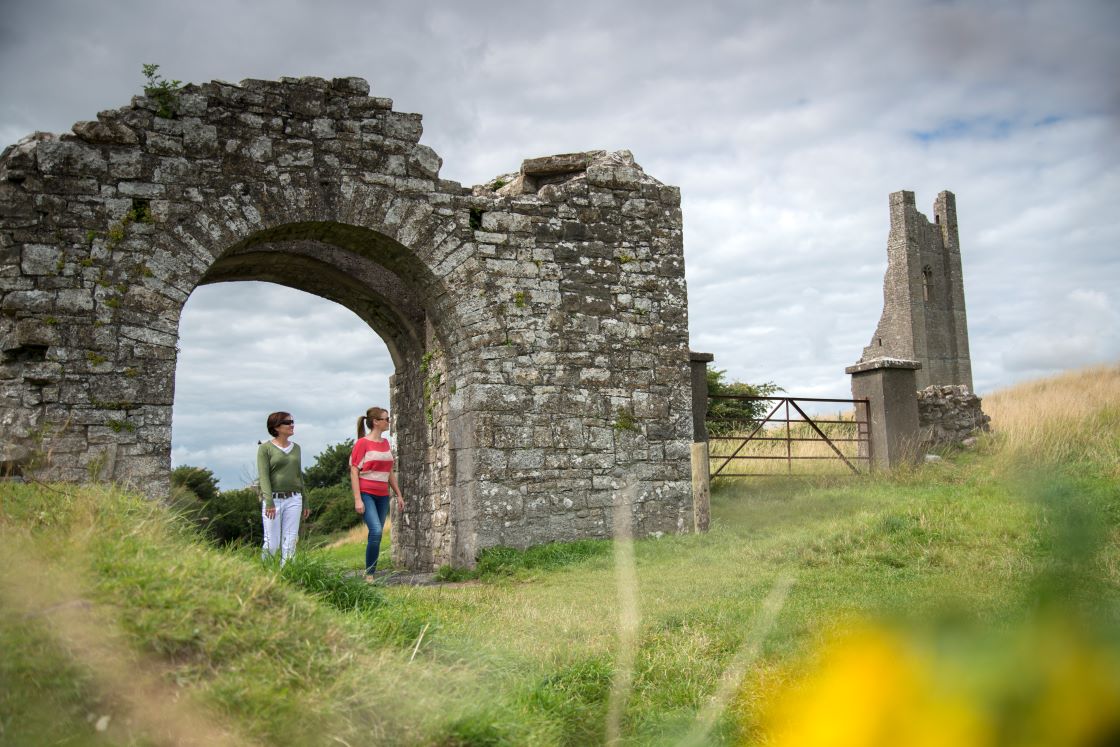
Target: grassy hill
{"points": [[918, 592]]}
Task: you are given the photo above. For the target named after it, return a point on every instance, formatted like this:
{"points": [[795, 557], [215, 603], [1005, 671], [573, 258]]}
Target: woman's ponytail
{"points": [[363, 421]]}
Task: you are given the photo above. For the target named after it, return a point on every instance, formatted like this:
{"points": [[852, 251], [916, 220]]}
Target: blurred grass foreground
{"points": [[972, 601]]}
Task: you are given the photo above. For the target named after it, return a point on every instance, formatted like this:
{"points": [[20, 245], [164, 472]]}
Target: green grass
{"points": [[496, 563], [45, 697], [348, 549], [530, 652]]}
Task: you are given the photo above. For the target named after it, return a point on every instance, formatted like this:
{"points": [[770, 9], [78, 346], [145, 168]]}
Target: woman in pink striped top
{"points": [[371, 476]]}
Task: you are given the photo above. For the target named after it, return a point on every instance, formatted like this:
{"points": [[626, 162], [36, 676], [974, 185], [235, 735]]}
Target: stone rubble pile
{"points": [[950, 415]]}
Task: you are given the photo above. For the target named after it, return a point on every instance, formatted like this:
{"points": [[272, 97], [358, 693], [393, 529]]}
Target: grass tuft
{"points": [[331, 582], [506, 561]]}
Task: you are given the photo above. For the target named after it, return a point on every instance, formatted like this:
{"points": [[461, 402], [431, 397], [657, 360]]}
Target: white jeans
{"points": [[282, 532]]}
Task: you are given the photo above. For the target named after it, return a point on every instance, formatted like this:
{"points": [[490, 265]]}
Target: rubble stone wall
{"points": [[538, 324], [949, 415]]}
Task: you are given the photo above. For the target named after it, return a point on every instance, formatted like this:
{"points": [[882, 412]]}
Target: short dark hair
{"points": [[274, 420]]}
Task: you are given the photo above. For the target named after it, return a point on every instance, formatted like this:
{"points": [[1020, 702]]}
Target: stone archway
{"points": [[538, 325], [349, 265]]}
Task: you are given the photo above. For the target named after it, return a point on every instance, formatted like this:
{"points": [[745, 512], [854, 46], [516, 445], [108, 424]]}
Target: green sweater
{"points": [[279, 472]]}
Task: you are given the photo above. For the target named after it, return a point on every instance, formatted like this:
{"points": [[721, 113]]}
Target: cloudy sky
{"points": [[785, 124]]}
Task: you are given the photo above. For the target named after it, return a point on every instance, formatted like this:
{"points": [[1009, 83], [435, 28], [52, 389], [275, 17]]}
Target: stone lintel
{"points": [[878, 363], [561, 163]]}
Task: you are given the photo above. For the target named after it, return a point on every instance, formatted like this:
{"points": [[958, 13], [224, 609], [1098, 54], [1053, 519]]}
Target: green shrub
{"points": [[200, 480], [332, 509], [331, 467], [165, 93], [726, 416], [234, 516]]}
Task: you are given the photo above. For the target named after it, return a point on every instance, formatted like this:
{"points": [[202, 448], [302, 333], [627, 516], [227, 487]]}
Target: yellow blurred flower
{"points": [[1074, 689], [1045, 686], [871, 689]]}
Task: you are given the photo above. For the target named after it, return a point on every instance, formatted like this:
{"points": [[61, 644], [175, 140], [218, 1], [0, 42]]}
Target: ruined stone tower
{"points": [[923, 294]]}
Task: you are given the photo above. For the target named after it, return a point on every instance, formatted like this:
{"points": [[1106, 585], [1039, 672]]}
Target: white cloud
{"points": [[1083, 330]]}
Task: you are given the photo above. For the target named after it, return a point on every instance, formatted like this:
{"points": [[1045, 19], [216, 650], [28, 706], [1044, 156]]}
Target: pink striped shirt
{"points": [[374, 461]]}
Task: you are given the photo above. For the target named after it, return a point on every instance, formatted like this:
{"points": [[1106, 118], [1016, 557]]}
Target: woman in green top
{"points": [[281, 481]]}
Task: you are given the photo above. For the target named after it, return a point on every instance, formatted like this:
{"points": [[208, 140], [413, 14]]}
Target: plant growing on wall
{"points": [[164, 92]]}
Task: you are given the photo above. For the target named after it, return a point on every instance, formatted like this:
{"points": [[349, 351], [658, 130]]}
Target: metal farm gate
{"points": [[787, 434]]}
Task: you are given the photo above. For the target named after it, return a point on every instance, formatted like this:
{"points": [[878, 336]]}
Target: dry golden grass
{"points": [[1062, 418], [354, 535], [1072, 396]]}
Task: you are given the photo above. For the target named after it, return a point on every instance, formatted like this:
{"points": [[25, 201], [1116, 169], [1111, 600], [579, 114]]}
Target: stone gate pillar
{"points": [[888, 384]]}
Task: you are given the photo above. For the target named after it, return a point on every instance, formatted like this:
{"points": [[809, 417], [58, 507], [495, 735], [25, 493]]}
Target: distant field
{"points": [[916, 591]]}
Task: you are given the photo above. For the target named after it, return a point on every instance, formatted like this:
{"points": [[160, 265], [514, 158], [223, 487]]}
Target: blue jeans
{"points": [[377, 508]]}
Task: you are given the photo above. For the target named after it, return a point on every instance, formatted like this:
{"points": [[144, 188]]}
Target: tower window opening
{"points": [[927, 283]]}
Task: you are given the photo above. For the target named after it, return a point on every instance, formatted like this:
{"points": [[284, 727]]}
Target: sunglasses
{"points": [[287, 422]]}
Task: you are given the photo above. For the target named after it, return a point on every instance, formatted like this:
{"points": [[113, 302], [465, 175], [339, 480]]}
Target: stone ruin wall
{"points": [[949, 416], [539, 332], [923, 294]]}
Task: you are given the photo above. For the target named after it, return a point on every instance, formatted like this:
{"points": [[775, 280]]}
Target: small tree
{"points": [[726, 416], [198, 480], [235, 516], [331, 467], [164, 92]]}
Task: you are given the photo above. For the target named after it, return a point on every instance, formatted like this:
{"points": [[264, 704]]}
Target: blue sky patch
{"points": [[978, 128]]}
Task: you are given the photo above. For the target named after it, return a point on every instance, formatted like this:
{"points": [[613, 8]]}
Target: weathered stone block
{"points": [[407, 127], [948, 416], [352, 86], [106, 132], [68, 157], [423, 162], [614, 176], [40, 259], [161, 144]]}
